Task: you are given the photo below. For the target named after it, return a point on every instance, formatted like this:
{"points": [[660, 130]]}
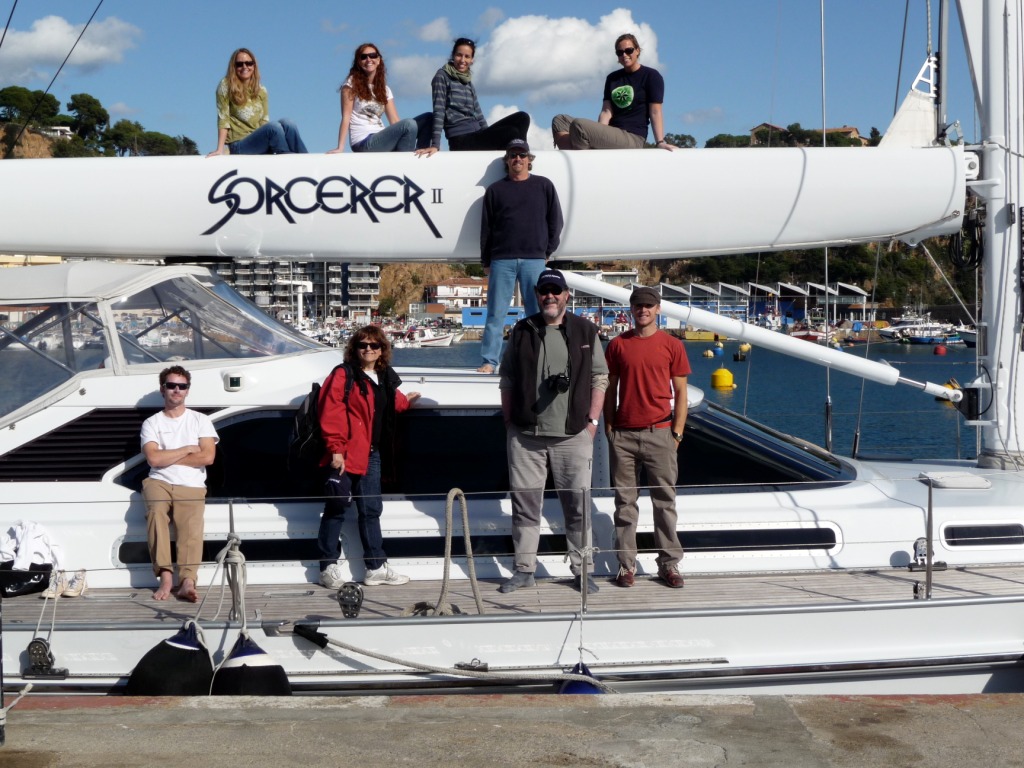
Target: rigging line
{"points": [[8, 24], [56, 74], [899, 68], [824, 142], [775, 71], [956, 293], [867, 353]]}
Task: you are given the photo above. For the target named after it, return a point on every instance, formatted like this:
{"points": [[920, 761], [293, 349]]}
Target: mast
{"points": [[992, 36]]}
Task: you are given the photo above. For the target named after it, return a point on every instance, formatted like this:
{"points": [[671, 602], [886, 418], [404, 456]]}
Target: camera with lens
{"points": [[558, 382]]}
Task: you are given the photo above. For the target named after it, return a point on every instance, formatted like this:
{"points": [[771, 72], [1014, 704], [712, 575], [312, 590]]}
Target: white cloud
{"points": [[331, 28], [35, 55], [120, 109], [571, 56], [437, 31], [410, 76], [489, 19], [699, 116]]}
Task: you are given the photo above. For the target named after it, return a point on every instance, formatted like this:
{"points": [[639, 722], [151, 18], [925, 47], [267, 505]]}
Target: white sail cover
{"points": [[396, 207]]}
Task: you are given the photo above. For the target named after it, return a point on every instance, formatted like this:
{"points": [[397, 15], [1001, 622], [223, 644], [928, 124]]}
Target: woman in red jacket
{"points": [[356, 433]]}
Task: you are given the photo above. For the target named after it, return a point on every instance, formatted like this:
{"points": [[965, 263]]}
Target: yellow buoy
{"points": [[708, 353], [722, 379], [744, 347], [719, 344]]}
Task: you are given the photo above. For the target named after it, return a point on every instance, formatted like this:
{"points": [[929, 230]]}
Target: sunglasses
{"points": [[367, 345], [625, 51], [549, 290], [517, 155], [241, 64], [365, 56], [176, 385]]}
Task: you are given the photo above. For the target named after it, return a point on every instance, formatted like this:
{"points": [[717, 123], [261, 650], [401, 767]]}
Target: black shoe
{"points": [[591, 584], [519, 579]]}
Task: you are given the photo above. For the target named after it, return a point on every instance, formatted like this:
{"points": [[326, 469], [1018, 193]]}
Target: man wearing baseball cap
{"points": [[520, 226], [553, 377], [644, 414]]}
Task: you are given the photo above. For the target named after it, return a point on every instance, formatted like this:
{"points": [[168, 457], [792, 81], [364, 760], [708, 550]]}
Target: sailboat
{"points": [[805, 571]]}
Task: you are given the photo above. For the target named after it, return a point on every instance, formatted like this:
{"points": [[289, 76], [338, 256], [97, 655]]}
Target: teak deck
{"points": [[293, 602]]}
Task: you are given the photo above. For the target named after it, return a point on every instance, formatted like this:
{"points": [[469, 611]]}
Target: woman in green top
{"points": [[243, 120]]}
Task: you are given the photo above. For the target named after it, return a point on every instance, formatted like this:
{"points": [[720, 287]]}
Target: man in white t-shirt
{"points": [[179, 444]]}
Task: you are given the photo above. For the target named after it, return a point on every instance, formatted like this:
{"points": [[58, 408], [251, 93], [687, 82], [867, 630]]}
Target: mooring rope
{"points": [[232, 561], [319, 638]]}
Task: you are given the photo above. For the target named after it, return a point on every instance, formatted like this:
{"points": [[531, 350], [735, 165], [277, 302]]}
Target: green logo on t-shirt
{"points": [[623, 96]]}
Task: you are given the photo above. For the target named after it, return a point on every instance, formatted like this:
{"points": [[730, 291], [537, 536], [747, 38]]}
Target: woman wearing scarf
{"points": [[457, 111]]}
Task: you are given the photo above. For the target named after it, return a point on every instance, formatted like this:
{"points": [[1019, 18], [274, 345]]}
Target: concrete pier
{"points": [[621, 731]]}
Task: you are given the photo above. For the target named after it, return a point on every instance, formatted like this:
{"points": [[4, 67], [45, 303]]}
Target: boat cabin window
{"points": [[188, 318], [44, 345], [438, 449]]}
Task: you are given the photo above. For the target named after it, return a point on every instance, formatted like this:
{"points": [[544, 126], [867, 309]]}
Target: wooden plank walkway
{"points": [[703, 591]]}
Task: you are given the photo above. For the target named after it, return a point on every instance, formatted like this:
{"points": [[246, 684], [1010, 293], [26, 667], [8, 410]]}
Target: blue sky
{"points": [[728, 64]]}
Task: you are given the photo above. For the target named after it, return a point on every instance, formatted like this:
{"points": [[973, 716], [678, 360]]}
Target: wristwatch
{"points": [[595, 422], [678, 436]]}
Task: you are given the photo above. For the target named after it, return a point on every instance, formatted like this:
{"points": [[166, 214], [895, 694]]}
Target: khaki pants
{"points": [[570, 460], [654, 449], [590, 134], [185, 506]]}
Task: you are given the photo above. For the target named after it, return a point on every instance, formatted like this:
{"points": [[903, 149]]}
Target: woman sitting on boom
{"points": [[365, 96], [243, 114]]}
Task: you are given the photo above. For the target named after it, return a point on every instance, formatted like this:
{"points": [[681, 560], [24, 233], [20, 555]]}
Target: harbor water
{"points": [[790, 395]]}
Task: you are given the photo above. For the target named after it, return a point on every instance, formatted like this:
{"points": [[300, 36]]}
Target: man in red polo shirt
{"points": [[644, 413]]}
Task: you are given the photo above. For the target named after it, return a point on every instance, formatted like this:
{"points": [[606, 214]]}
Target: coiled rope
{"points": [[443, 607]]}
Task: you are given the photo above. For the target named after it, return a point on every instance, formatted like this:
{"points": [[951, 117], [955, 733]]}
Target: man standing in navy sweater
{"points": [[519, 230]]}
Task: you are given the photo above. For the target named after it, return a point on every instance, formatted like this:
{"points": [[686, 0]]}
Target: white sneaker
{"points": [[331, 577], [77, 586], [384, 575], [58, 583]]}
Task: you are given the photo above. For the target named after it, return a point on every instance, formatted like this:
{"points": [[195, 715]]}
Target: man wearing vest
{"points": [[553, 378], [644, 415]]}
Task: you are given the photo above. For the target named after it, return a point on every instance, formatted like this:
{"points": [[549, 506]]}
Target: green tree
{"points": [[725, 140], [123, 136], [186, 146], [386, 305], [91, 119], [682, 140], [153, 143], [45, 106], [73, 147], [15, 102]]}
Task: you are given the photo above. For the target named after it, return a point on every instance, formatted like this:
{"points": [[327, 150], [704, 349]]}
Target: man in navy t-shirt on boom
{"points": [[520, 227]]}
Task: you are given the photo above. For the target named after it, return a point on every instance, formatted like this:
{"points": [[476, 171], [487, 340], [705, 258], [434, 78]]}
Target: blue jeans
{"points": [[501, 285], [278, 137], [369, 505], [400, 137]]}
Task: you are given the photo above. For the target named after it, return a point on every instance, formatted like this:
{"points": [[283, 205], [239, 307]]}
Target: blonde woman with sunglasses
{"points": [[244, 126]]}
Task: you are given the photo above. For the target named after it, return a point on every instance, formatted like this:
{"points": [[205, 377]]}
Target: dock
{"points": [[634, 730]]}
